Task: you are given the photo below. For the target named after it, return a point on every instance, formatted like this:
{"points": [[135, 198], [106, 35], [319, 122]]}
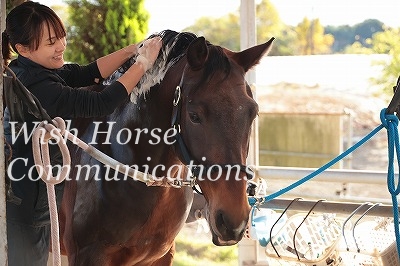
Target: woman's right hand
{"points": [[148, 52]]}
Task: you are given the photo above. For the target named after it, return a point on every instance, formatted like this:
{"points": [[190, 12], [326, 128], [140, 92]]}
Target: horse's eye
{"points": [[194, 118]]}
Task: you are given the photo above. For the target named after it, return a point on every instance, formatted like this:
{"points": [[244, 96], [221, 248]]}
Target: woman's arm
{"points": [[148, 53], [109, 63]]}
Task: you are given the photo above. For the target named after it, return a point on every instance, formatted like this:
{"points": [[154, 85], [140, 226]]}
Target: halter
{"points": [[199, 169]]}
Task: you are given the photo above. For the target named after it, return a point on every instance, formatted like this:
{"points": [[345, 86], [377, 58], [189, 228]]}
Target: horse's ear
{"points": [[252, 56], [197, 53]]}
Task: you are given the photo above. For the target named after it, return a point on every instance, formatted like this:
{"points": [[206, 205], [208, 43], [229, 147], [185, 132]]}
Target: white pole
{"points": [[248, 32], [3, 223], [248, 38], [247, 248]]}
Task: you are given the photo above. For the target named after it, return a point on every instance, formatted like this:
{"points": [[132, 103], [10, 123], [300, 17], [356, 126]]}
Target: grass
{"points": [[195, 251]]}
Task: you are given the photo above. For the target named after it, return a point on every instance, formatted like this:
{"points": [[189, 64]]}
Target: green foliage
{"points": [[372, 37], [212, 28], [269, 24], [387, 42], [343, 35], [382, 42], [190, 251], [311, 38], [357, 48], [364, 31], [225, 31], [99, 27], [285, 42]]}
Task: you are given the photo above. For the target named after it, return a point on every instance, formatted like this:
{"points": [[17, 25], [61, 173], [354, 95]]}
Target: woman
{"points": [[38, 36]]}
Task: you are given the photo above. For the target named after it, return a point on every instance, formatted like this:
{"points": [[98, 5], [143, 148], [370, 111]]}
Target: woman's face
{"points": [[50, 53]]}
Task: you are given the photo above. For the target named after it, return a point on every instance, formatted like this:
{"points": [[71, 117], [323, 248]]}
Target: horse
{"points": [[197, 91]]}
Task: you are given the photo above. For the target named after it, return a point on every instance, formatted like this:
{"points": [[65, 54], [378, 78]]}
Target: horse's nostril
{"points": [[226, 229], [220, 220]]}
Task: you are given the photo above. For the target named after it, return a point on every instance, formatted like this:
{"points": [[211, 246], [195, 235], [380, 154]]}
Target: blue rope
{"points": [[254, 200], [390, 122]]}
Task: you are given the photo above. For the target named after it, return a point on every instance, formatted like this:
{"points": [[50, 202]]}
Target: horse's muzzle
{"points": [[224, 233]]}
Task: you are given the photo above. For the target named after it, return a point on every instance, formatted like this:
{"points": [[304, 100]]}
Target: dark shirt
{"points": [[62, 93]]}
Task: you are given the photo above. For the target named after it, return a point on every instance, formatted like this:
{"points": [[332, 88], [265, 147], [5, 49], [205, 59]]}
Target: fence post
{"points": [[247, 247]]}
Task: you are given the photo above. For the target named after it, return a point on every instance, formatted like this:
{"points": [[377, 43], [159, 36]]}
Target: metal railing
{"points": [[249, 250], [273, 174]]}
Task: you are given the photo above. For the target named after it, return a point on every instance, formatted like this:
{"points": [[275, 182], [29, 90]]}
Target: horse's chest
{"points": [[130, 213]]}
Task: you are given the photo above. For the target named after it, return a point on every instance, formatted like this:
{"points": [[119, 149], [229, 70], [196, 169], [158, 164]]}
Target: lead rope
{"points": [[42, 134], [57, 130], [390, 122], [254, 200]]}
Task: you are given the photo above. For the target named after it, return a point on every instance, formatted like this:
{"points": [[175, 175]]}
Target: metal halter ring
{"points": [[177, 96]]}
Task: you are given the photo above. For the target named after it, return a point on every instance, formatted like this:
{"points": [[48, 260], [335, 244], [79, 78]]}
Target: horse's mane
{"points": [[173, 48]]}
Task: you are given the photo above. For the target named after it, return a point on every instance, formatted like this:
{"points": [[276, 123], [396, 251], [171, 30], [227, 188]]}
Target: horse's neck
{"points": [[148, 120]]}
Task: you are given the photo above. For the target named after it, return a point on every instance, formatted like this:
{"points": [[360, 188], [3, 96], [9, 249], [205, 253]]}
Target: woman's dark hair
{"points": [[26, 24]]}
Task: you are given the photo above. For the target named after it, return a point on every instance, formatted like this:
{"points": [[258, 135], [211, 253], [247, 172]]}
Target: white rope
{"points": [[41, 136], [135, 174]]}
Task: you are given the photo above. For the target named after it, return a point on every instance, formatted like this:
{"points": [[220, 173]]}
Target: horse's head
{"points": [[215, 111]]}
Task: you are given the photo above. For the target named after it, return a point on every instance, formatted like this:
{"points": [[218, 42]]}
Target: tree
{"points": [[343, 35], [382, 42], [356, 35], [387, 42], [212, 28], [269, 24], [364, 30], [358, 48], [225, 31], [311, 38], [99, 27]]}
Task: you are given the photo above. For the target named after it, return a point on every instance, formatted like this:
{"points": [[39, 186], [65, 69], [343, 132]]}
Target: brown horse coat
{"points": [[105, 221]]}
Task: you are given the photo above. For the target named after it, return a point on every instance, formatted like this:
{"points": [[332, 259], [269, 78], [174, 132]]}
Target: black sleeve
{"points": [[68, 102], [79, 76]]}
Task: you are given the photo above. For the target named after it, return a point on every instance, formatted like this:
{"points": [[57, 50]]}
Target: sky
{"points": [[178, 14]]}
